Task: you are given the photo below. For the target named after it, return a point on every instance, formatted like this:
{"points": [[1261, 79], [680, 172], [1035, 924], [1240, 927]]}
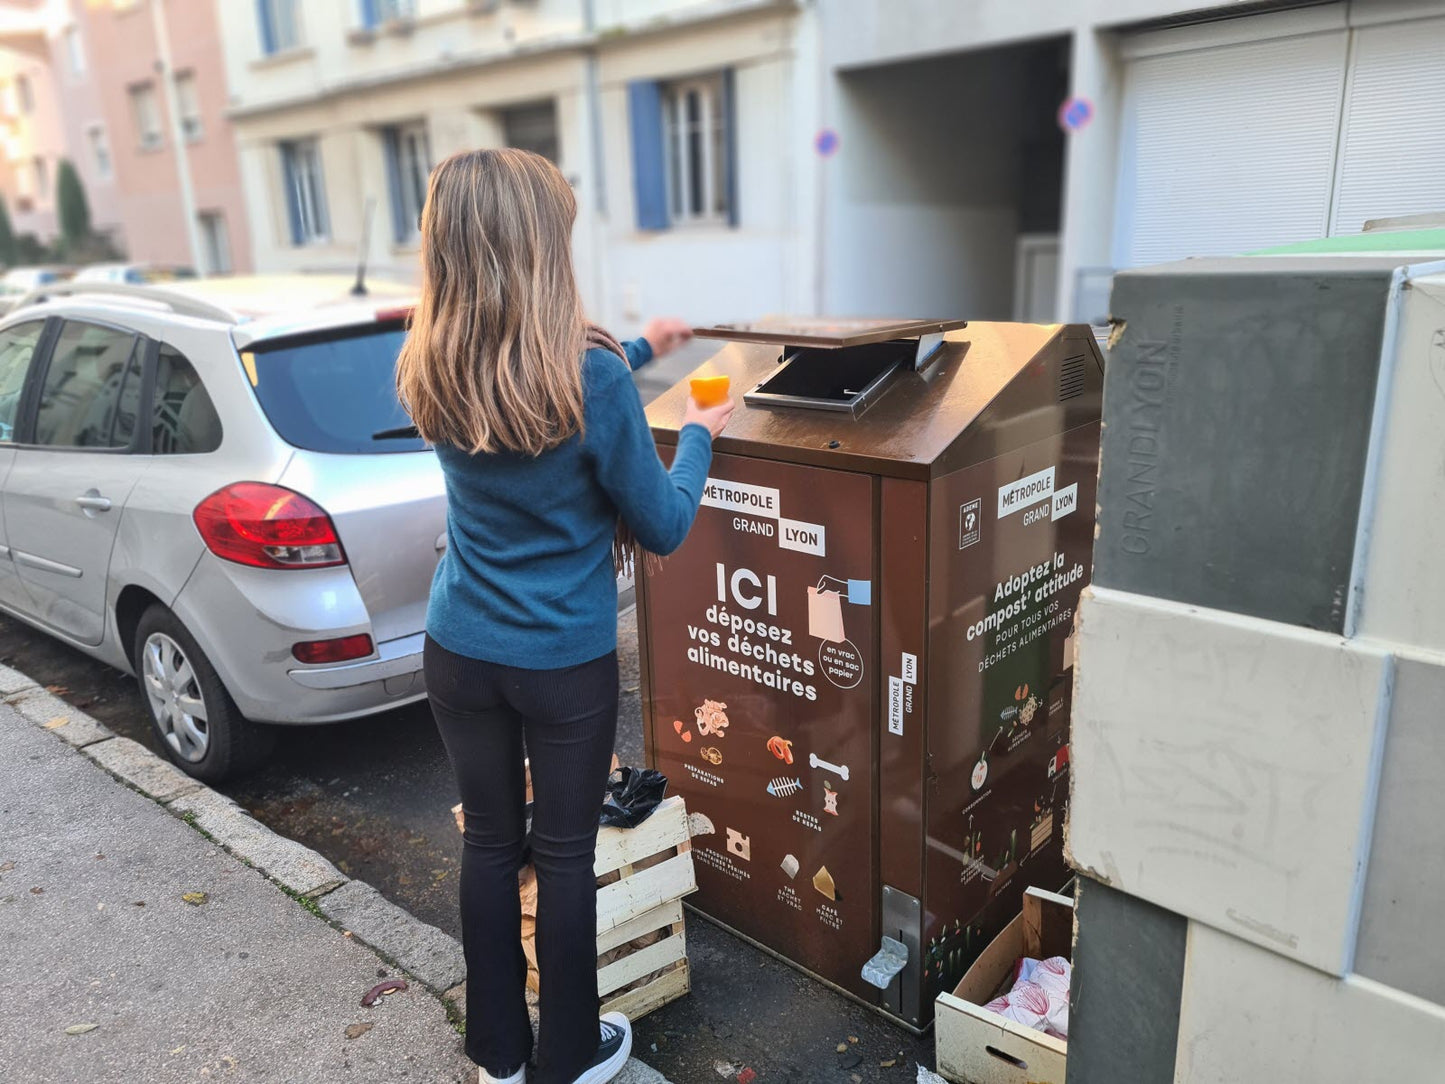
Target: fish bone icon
{"points": [[784, 788]]}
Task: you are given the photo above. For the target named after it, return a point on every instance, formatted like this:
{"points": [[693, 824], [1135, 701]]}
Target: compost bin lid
{"points": [[919, 422], [824, 331]]}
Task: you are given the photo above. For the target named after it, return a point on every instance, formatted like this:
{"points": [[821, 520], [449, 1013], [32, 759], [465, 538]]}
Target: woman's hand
{"points": [[665, 334], [713, 419]]}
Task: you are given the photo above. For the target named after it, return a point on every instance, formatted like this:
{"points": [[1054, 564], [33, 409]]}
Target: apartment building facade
{"points": [[98, 74], [1193, 129], [740, 157], [673, 121], [33, 135]]}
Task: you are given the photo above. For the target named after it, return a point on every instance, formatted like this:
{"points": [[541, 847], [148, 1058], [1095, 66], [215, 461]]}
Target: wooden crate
{"points": [[976, 1046], [643, 874]]}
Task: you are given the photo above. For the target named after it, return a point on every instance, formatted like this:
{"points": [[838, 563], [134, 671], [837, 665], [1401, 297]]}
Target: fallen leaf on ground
{"points": [[889, 1064], [725, 1068], [842, 1048], [80, 1029], [390, 986], [178, 1049], [848, 1061], [139, 903], [747, 1076], [356, 1031], [852, 1038], [37, 890], [195, 899], [6, 867], [58, 721], [56, 689]]}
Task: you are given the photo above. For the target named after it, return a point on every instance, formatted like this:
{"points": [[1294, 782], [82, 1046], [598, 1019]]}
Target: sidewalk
{"points": [[183, 959]]}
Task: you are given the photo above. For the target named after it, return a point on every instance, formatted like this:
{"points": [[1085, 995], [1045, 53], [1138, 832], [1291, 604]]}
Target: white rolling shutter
{"points": [[1228, 148], [1392, 144]]}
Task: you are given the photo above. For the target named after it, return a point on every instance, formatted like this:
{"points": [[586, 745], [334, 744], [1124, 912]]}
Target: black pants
{"points": [[569, 720]]}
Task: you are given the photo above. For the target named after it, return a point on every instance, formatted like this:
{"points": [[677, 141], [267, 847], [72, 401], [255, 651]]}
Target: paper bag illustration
{"points": [[825, 615]]}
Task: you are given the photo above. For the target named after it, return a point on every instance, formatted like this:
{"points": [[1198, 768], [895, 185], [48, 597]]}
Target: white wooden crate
{"points": [[976, 1046], [640, 933]]}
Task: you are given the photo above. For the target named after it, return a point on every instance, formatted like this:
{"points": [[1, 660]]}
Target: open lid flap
{"points": [[824, 332]]}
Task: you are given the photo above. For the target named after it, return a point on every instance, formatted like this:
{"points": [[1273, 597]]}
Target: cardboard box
{"points": [[976, 1046]]}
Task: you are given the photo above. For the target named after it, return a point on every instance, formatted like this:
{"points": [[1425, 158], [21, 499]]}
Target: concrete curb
{"points": [[429, 955]]}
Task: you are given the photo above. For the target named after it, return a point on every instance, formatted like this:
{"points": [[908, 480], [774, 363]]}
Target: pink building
{"points": [[104, 68]]}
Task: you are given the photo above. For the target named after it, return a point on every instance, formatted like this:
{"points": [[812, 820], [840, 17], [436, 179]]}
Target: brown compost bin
{"points": [[857, 669]]}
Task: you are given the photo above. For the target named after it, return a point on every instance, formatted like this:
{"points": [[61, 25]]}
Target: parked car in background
{"points": [[211, 485], [19, 281], [136, 274]]}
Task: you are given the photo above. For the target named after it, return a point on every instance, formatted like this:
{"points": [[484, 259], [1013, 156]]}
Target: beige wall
{"points": [[455, 71], [460, 113]]}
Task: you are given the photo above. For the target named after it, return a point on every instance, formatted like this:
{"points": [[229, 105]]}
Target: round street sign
{"points": [[826, 142], [1075, 113]]}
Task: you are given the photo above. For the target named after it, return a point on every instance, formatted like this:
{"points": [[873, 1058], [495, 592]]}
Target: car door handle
{"points": [[94, 503]]}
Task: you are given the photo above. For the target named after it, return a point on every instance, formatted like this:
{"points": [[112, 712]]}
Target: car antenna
{"points": [[359, 289]]}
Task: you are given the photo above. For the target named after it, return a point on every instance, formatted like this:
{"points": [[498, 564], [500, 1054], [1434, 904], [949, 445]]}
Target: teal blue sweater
{"points": [[527, 577]]}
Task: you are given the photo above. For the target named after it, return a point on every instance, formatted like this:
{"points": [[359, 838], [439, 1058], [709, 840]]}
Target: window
{"points": [[147, 114], [376, 12], [91, 389], [183, 420], [280, 27], [532, 128], [305, 192], [17, 347], [683, 151], [74, 50], [408, 164], [188, 105], [42, 177], [215, 244], [337, 394], [99, 150], [697, 151], [24, 95]]}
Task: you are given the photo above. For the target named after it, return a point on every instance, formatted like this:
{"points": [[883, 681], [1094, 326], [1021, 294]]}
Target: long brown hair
{"points": [[493, 359]]}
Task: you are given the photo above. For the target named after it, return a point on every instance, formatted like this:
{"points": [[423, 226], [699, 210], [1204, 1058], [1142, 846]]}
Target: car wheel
{"points": [[198, 724]]}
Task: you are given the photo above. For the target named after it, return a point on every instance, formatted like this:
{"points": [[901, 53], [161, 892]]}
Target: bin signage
{"points": [[773, 631], [996, 824]]}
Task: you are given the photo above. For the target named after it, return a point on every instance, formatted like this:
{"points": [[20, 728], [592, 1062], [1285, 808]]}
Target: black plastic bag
{"points": [[632, 795]]}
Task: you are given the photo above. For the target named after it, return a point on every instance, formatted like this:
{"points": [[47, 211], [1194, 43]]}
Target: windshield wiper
{"points": [[400, 432]]}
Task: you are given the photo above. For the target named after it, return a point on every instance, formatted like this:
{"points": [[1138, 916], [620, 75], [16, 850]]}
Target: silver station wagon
{"points": [[211, 486]]}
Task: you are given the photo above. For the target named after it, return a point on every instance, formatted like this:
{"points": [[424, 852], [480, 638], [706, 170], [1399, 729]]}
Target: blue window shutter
{"points": [[293, 205], [369, 16], [730, 143], [649, 181], [268, 27], [391, 145]]}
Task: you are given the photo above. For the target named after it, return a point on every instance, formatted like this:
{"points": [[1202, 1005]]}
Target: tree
{"points": [[72, 205], [9, 253]]}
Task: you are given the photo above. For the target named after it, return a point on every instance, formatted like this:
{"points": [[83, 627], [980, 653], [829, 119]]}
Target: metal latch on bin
{"points": [[887, 963]]}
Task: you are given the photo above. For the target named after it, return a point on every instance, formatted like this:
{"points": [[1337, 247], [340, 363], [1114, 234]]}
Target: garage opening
{"points": [[946, 196]]}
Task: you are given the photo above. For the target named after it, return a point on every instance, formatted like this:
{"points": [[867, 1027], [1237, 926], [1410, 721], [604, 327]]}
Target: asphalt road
{"points": [[375, 797]]}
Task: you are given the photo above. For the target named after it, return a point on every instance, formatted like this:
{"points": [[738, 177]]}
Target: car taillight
{"points": [[266, 526], [341, 650]]}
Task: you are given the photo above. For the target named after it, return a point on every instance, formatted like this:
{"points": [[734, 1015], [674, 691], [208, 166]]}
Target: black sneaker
{"points": [[612, 1051]]}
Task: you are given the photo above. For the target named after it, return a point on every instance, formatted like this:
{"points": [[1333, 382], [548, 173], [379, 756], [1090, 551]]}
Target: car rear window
{"points": [[335, 391]]}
